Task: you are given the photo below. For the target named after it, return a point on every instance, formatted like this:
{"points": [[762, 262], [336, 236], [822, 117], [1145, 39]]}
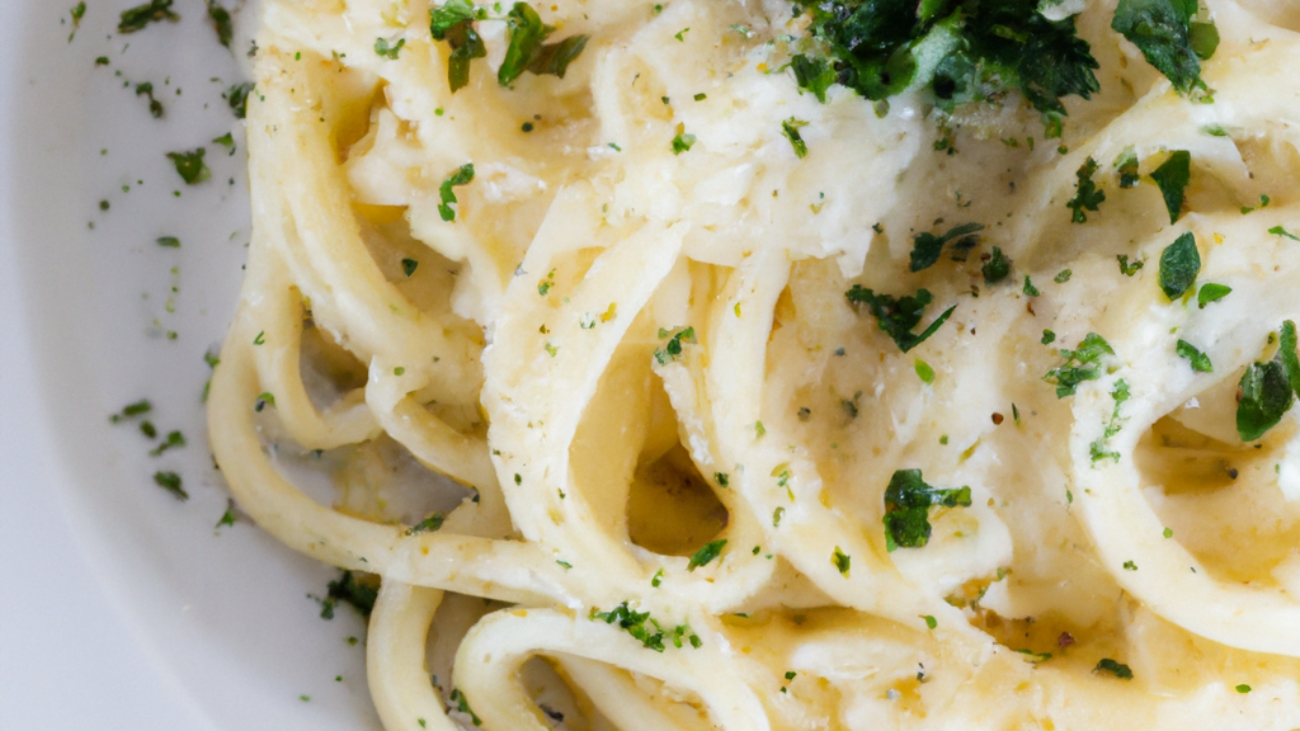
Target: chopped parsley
{"points": [[1243, 688], [169, 242], [908, 500], [431, 523], [173, 440], [1268, 389], [527, 50], [926, 247], [462, 705], [228, 517], [1127, 165], [389, 50], [722, 479], [997, 268], [1081, 364], [221, 22], [963, 54], [237, 97], [358, 589], [673, 348], [898, 317], [706, 554], [1087, 197], [1063, 276], [657, 579], [409, 266], [1279, 231], [638, 624], [1098, 449], [930, 621], [790, 128], [171, 482], [131, 411], [1211, 292], [1163, 31], [78, 12], [1200, 361], [841, 561], [190, 166], [1129, 269], [227, 141], [1179, 264], [155, 107], [1172, 176], [464, 175], [923, 371], [683, 142], [1029, 289], [134, 19], [1110, 666]]}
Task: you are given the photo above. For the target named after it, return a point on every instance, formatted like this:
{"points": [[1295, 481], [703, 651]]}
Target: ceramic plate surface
{"points": [[115, 589]]}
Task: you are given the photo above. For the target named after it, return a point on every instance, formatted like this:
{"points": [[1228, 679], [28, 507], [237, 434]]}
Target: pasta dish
{"points": [[758, 364]]}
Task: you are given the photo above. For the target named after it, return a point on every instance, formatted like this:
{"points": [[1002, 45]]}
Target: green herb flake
{"points": [[78, 12], [1110, 666], [358, 589], [1129, 269], [930, 621], [1279, 231], [908, 500], [1029, 289], [1268, 389], [1127, 165], [813, 74], [1081, 364], [190, 166], [898, 317], [228, 517], [1087, 197], [136, 18], [1168, 533], [790, 128], [409, 266], [1180, 262], [997, 268], [1243, 688], [706, 554], [923, 371], [169, 242], [841, 561], [1200, 361], [1172, 176], [386, 49], [926, 247], [221, 23], [1063, 276], [171, 482], [672, 350], [462, 705], [464, 175], [1211, 292], [173, 440], [637, 624], [1162, 31], [657, 579], [430, 523], [237, 97], [1099, 449], [682, 143], [131, 411]]}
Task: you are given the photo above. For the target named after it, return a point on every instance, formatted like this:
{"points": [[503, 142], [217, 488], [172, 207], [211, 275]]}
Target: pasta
{"points": [[658, 393]]}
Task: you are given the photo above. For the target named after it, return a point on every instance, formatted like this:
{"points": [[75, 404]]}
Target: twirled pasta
{"points": [[526, 338]]}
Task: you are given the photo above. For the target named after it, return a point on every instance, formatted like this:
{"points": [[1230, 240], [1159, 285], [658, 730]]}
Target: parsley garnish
{"points": [[908, 500], [131, 411], [174, 439], [1081, 364], [78, 12], [634, 623], [1063, 276], [155, 106], [1162, 30], [463, 176], [926, 247], [221, 22], [673, 348], [923, 371], [790, 128], [1179, 264], [237, 96], [971, 53], [228, 517], [1118, 670], [527, 49], [683, 142], [1128, 269], [453, 22], [1211, 292], [134, 19], [997, 268], [431, 523], [190, 166], [1029, 289], [1279, 231], [1127, 165], [1172, 177], [171, 482], [1087, 197], [930, 621], [169, 242], [842, 562], [389, 50], [359, 590], [462, 705], [1268, 389], [897, 317], [409, 266], [1200, 361], [1098, 449], [707, 553]]}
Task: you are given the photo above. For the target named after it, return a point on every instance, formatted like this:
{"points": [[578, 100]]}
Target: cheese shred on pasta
{"points": [[624, 381]]}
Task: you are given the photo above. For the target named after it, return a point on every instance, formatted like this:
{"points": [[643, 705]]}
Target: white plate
{"points": [[122, 606]]}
